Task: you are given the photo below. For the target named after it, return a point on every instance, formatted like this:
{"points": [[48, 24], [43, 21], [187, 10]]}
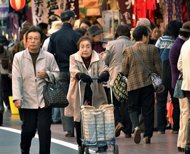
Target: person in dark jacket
{"points": [[63, 43], [164, 45]]}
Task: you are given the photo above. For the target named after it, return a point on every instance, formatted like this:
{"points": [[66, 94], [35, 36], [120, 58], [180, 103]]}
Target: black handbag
{"points": [[54, 94], [120, 88], [178, 93]]}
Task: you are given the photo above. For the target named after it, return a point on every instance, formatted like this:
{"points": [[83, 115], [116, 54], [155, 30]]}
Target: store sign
{"points": [[47, 11]]}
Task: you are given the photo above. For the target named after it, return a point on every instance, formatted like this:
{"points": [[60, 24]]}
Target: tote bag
{"points": [[120, 88]]}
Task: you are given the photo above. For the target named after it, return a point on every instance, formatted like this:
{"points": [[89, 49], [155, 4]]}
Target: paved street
{"points": [[10, 140]]}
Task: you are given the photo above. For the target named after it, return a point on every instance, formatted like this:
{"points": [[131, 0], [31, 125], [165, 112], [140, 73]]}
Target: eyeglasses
{"points": [[33, 38]]}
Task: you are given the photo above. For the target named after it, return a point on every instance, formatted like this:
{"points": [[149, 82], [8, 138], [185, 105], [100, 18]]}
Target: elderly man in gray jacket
{"points": [[30, 69], [113, 58]]}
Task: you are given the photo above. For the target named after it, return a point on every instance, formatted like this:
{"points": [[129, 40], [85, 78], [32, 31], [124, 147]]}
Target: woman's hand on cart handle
{"points": [[104, 77], [84, 77]]}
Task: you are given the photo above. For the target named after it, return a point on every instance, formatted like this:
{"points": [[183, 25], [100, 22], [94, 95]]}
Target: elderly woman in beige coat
{"points": [[85, 65]]}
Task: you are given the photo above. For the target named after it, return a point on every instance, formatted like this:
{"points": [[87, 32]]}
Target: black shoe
{"points": [[147, 140], [118, 129], [180, 149], [69, 134]]}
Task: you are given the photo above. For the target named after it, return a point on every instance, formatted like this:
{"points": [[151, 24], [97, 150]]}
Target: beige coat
{"points": [[184, 64], [97, 66]]}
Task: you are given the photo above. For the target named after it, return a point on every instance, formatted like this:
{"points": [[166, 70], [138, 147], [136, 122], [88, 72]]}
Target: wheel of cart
{"points": [[97, 125]]}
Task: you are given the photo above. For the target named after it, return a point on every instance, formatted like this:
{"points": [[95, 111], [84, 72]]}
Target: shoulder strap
{"points": [[140, 59]]}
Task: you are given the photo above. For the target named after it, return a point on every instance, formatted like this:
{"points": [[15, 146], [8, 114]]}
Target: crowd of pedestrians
{"points": [[81, 54]]}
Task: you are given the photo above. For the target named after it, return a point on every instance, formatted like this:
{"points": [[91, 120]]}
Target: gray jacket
{"points": [[113, 55], [25, 84]]}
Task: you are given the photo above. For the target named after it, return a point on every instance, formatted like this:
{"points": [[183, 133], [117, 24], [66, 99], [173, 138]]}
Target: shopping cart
{"points": [[97, 126]]}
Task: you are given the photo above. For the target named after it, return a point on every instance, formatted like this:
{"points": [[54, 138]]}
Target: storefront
{"points": [[109, 12]]}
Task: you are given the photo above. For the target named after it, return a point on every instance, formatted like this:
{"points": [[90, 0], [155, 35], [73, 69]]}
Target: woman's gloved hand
{"points": [[84, 77], [104, 76]]}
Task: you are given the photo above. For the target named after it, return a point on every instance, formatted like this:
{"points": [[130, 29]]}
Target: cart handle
{"points": [[94, 79]]}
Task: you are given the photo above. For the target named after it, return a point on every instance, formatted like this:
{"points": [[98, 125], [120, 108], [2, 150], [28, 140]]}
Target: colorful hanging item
{"points": [[17, 4]]}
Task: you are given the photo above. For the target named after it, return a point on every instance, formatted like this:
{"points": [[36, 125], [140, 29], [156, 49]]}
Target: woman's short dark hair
{"points": [[122, 30], [172, 29], [84, 38], [35, 29], [139, 31]]}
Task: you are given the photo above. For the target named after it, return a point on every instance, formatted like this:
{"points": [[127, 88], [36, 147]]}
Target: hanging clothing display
{"points": [[143, 9], [171, 4]]}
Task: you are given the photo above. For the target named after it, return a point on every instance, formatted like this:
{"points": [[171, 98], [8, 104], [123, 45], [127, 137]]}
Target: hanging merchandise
{"points": [[139, 10], [111, 19], [17, 4], [144, 9], [126, 9], [171, 4]]}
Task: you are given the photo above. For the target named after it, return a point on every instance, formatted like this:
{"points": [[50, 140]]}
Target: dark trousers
{"points": [[6, 88], [121, 115], [67, 122], [162, 112], [125, 118], [162, 100], [78, 133], [142, 100], [32, 120]]}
